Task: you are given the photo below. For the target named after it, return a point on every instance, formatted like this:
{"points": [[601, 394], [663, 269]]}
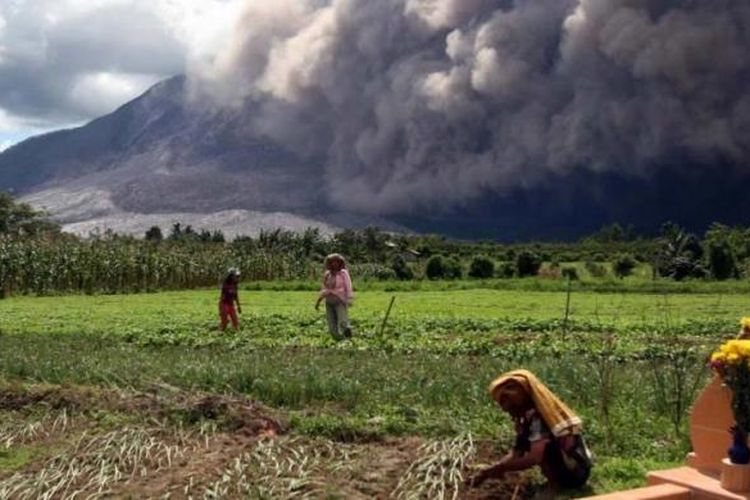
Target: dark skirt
{"points": [[567, 471]]}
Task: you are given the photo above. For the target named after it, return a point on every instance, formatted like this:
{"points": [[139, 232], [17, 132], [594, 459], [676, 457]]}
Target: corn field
{"points": [[37, 266]]}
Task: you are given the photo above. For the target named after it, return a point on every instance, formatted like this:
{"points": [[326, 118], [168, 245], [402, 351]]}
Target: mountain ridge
{"points": [[160, 157]]}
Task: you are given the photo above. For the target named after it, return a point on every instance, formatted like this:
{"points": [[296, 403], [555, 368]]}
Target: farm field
{"points": [[142, 393]]}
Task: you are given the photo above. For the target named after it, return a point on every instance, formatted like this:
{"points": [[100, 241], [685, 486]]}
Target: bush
{"points": [[154, 234], [481, 267], [596, 270], [528, 263], [505, 270], [721, 261], [373, 271], [624, 265], [402, 269], [435, 269], [453, 268], [570, 273]]}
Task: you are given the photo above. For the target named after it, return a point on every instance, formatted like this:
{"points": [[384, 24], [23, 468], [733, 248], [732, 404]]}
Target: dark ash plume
{"points": [[414, 104]]}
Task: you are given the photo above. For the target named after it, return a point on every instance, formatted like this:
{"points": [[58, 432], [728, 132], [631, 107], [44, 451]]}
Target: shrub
{"points": [[624, 265], [435, 267], [402, 269], [570, 273], [154, 234], [528, 263], [721, 261], [373, 271], [481, 267], [595, 269], [505, 270], [453, 268]]}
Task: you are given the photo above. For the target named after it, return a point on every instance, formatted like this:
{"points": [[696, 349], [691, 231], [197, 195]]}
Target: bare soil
{"points": [[189, 445]]}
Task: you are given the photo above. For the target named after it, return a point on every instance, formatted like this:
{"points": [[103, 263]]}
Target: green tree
{"points": [[528, 263], [623, 265], [20, 219], [722, 263], [402, 269], [454, 270], [374, 242], [679, 253], [435, 267], [481, 267], [154, 234]]}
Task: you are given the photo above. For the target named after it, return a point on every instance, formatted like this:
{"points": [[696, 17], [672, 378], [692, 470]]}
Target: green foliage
{"points": [[453, 269], [435, 267], [374, 271], [595, 269], [570, 273], [722, 263], [505, 270], [528, 263], [679, 254], [624, 265], [40, 266], [154, 234], [20, 219], [481, 267], [426, 376], [401, 269]]}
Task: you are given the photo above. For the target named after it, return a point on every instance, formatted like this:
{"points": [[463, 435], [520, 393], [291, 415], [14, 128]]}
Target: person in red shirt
{"points": [[228, 299]]}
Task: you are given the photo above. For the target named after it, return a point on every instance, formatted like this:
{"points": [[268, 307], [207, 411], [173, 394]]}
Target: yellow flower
{"points": [[733, 358], [718, 356], [745, 322]]}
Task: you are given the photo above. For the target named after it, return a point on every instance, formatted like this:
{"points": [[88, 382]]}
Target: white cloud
{"points": [[5, 145], [67, 61], [99, 93]]}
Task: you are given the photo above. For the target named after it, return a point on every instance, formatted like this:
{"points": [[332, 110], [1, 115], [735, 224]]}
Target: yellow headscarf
{"points": [[556, 414]]}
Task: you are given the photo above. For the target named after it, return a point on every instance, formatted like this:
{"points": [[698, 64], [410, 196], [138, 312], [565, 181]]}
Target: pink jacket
{"points": [[338, 285]]}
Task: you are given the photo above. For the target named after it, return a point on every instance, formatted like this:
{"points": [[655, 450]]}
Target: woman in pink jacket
{"points": [[338, 294]]}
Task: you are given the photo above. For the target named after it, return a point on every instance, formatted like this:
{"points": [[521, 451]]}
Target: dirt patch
{"points": [[233, 414], [206, 445]]}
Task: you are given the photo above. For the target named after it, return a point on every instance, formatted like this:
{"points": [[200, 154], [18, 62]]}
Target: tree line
{"points": [[36, 257]]}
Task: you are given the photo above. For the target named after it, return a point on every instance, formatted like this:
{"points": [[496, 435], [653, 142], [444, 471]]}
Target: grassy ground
{"points": [[624, 358]]}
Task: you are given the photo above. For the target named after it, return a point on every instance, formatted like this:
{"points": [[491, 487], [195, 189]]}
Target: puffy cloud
{"points": [[423, 103], [64, 61]]}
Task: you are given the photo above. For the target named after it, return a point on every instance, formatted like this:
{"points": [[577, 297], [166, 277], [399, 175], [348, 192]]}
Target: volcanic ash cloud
{"points": [[417, 104]]}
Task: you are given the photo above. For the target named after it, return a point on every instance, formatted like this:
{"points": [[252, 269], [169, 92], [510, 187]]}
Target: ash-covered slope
{"points": [[160, 159], [157, 153]]}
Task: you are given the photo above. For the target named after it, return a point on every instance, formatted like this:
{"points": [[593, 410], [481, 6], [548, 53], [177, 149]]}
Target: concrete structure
{"points": [[708, 475]]}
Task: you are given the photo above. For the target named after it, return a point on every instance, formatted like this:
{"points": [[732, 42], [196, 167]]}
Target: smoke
{"points": [[420, 104]]}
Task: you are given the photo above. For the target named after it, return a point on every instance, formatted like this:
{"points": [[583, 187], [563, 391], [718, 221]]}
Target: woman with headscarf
{"points": [[338, 294], [548, 433]]}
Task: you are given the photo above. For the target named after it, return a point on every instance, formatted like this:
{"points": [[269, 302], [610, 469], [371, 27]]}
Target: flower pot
{"points": [[739, 453], [735, 477]]}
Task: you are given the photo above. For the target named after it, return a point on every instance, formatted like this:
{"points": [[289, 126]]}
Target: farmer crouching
{"points": [[548, 433]]}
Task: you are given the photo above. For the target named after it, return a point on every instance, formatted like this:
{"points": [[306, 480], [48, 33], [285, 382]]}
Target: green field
{"points": [[629, 362]]}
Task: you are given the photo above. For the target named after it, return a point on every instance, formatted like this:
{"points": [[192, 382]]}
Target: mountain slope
{"points": [[159, 160]]}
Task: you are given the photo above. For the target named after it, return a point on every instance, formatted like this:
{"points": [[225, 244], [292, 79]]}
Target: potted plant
{"points": [[732, 363]]}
